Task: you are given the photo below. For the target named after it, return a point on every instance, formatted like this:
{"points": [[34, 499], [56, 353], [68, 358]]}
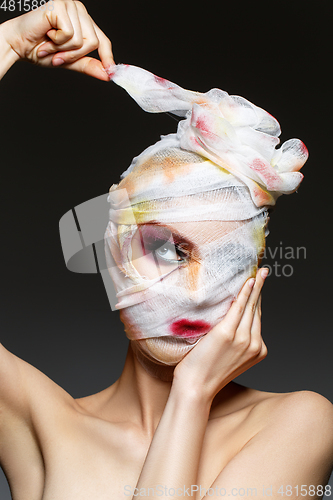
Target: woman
{"points": [[184, 428]]}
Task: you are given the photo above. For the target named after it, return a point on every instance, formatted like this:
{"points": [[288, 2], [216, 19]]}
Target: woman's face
{"points": [[198, 255]]}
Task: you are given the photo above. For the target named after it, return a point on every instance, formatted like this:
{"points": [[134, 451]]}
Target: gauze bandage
{"points": [[196, 205]]}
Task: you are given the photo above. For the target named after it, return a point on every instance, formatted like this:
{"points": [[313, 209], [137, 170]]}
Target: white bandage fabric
{"points": [[203, 192], [229, 130]]}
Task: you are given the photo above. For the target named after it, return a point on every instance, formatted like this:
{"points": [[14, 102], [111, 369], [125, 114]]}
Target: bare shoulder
{"points": [[310, 404], [302, 417], [269, 407], [303, 407], [24, 388], [306, 415], [34, 412], [289, 442]]}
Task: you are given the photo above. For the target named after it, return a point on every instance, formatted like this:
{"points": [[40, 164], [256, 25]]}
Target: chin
{"points": [[167, 351]]}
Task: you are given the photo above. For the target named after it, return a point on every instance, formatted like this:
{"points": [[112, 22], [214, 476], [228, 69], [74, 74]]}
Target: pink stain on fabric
{"points": [[266, 172], [161, 81], [111, 70], [304, 149], [202, 124]]}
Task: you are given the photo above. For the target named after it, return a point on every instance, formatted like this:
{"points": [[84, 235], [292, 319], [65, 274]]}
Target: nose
{"points": [[195, 283]]}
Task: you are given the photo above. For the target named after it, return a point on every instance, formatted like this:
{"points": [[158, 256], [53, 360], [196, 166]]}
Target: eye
{"points": [[170, 252], [160, 242]]}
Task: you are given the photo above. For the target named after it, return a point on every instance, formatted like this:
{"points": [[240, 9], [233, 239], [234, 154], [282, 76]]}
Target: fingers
{"points": [[67, 34], [74, 36], [236, 311], [256, 324], [64, 20], [241, 314], [105, 48], [61, 41], [247, 319], [257, 344], [233, 345], [249, 328], [89, 66], [256, 331], [78, 47]]}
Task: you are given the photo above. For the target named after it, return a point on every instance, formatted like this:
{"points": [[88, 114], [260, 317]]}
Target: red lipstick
{"points": [[187, 328]]}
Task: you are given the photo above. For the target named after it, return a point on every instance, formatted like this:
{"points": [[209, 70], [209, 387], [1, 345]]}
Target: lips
{"points": [[186, 328]]}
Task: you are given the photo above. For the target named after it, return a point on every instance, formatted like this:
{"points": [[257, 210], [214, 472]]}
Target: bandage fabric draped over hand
{"points": [[207, 188]]}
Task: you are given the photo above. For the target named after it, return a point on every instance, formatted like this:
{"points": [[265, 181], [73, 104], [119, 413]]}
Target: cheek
{"points": [[131, 326], [192, 275]]}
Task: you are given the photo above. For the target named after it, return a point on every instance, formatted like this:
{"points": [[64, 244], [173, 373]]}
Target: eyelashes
{"points": [[163, 245], [166, 250]]}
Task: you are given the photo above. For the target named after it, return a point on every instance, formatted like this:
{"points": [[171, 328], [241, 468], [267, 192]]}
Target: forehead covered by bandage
{"points": [[196, 201]]}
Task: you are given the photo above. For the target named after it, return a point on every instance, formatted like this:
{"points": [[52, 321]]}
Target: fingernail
{"points": [[251, 282], [264, 272], [43, 53], [58, 61]]}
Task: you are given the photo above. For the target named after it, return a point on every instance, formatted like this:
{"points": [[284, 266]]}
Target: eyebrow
{"points": [[174, 232]]}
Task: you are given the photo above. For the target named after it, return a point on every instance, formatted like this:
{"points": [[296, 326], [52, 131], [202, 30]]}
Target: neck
{"points": [[143, 390], [139, 396]]}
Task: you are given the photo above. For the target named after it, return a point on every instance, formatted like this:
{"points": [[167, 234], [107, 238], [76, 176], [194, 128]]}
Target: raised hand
{"points": [[229, 349], [60, 32]]}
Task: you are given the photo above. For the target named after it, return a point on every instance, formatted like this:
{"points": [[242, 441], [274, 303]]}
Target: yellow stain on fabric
{"points": [[258, 235]]}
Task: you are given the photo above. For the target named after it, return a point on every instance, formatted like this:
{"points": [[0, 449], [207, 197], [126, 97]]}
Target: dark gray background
{"points": [[65, 138]]}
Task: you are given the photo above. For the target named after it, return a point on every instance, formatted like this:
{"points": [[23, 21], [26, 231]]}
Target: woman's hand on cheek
{"points": [[229, 349], [60, 33]]}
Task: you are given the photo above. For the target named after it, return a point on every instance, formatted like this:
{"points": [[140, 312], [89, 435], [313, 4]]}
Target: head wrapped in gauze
{"points": [[208, 187], [229, 130]]}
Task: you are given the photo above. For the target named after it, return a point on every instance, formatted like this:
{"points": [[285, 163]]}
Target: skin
{"points": [[195, 428]]}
